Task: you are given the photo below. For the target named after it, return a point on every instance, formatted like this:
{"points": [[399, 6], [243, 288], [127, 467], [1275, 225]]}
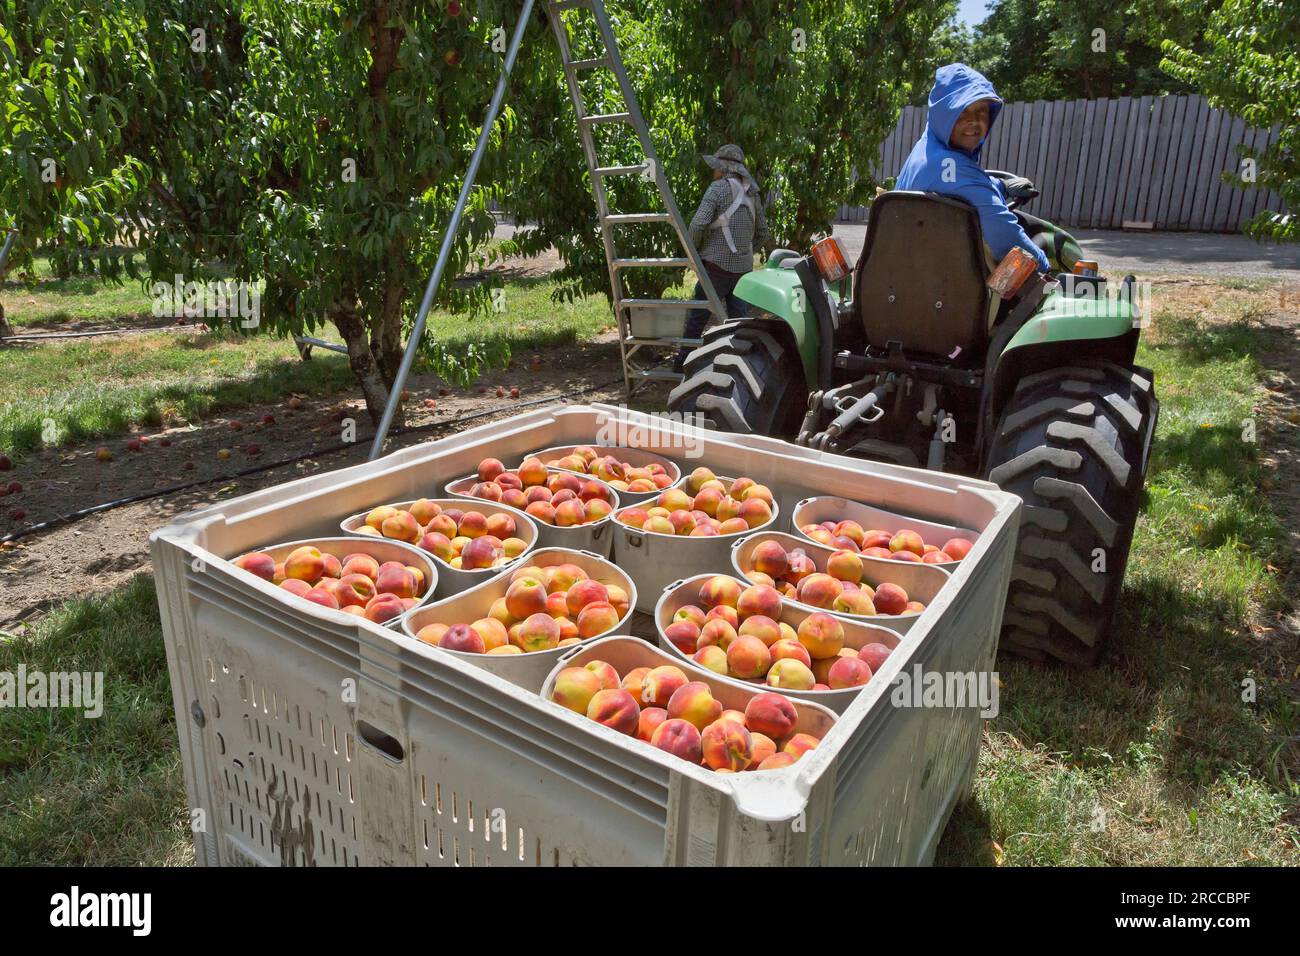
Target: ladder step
{"points": [[620, 170], [622, 219], [592, 64], [606, 118], [652, 263], [661, 303], [663, 340]]}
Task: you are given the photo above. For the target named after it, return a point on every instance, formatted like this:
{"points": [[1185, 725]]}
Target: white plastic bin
{"points": [[310, 739]]}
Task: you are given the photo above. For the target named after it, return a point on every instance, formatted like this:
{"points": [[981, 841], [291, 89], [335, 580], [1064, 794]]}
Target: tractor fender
{"points": [[776, 293]]}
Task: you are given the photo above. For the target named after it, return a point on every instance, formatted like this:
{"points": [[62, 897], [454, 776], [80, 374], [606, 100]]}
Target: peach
{"points": [[748, 657], [605, 672], [322, 596], [694, 702], [658, 686], [538, 632], [727, 745], [432, 633], [583, 593], [874, 655], [788, 633], [715, 632], [506, 649], [736, 715], [539, 493], [720, 590], [845, 566], [853, 602], [295, 586], [759, 599], [305, 564], [733, 526], [596, 619], [542, 511], [907, 541], [487, 490], [770, 714], [728, 509], [906, 556], [498, 611], [890, 599], [438, 545], [561, 496], [819, 590], [507, 480], [462, 637], [557, 604], [841, 543], [526, 596], [618, 597], [758, 577], [761, 627], [777, 761], [791, 674], [472, 524], [262, 565], [384, 607], [562, 482], [848, 672], [852, 530], [800, 566], [674, 499], [489, 469], [633, 517], [822, 668], [877, 552], [443, 524], [532, 472], [755, 512], [358, 563], [936, 557], [492, 631], [762, 746], [570, 513], [615, 709], [684, 635], [501, 525], [800, 744], [658, 524], [957, 548], [822, 635], [680, 738], [632, 681], [561, 577], [768, 557], [598, 508], [649, 721], [393, 578], [568, 632], [708, 501], [726, 613], [875, 539], [713, 658], [513, 547], [695, 481], [821, 536], [377, 517], [689, 612], [683, 522], [354, 589], [594, 491], [482, 552], [914, 607], [786, 649]]}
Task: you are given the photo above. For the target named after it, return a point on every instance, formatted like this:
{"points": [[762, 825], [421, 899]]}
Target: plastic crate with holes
{"points": [[311, 737]]}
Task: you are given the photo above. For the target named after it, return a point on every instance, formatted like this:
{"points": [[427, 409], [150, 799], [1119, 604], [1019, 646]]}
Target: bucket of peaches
{"points": [[636, 474], [638, 691], [382, 581]]}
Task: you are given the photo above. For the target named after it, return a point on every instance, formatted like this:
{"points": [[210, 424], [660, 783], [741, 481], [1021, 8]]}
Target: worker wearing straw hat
{"points": [[727, 228]]}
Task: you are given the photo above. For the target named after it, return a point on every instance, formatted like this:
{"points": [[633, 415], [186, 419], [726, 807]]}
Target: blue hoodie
{"points": [[957, 86]]}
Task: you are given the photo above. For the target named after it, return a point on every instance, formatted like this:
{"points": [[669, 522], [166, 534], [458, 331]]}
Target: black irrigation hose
{"points": [[74, 516]]}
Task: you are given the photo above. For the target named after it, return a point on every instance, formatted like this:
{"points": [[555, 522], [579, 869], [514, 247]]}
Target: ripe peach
{"points": [[532, 472], [492, 631], [844, 566], [487, 490], [821, 536], [683, 522], [295, 586], [570, 513], [594, 491], [890, 599], [539, 493], [568, 632], [561, 577], [907, 541], [957, 548], [680, 738], [841, 543], [305, 564], [443, 524], [437, 544], [322, 596], [748, 657], [615, 709], [393, 578], [596, 619], [684, 635], [658, 524], [694, 702], [557, 604], [538, 632], [853, 602], [708, 501], [761, 747], [618, 598], [505, 649], [649, 721], [800, 744], [726, 745], [786, 649], [524, 597], [563, 482], [848, 672], [384, 607], [598, 508], [507, 480], [633, 517], [777, 761], [501, 525], [758, 577], [906, 556], [713, 658], [877, 553], [462, 637], [658, 687], [720, 590], [358, 563], [499, 612], [513, 547], [377, 517], [583, 593], [769, 558], [542, 511], [695, 481], [822, 668], [726, 612], [756, 492], [736, 715], [728, 508], [914, 607], [633, 680], [674, 499], [822, 634], [354, 589], [759, 599], [852, 530], [800, 566], [715, 632], [733, 526], [791, 674], [605, 672], [819, 590], [482, 552], [874, 655], [432, 633], [689, 612], [936, 557], [755, 512], [770, 714], [262, 565], [489, 469], [761, 627]]}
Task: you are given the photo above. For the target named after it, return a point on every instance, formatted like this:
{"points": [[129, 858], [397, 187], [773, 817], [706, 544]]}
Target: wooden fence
{"points": [[1103, 163]]}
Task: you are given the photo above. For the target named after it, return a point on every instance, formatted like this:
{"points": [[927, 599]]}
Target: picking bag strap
{"points": [[739, 197]]}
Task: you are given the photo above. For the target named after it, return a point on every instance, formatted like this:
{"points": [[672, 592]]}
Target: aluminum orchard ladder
{"points": [[633, 334]]}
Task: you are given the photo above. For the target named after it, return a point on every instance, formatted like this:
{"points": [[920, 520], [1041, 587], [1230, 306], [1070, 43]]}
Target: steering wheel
{"points": [[1019, 190]]}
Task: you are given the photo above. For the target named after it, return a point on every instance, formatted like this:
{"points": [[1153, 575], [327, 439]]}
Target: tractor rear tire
{"points": [[743, 379], [1073, 443]]}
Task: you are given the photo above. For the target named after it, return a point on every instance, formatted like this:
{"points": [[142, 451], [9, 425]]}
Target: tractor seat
{"points": [[920, 279]]}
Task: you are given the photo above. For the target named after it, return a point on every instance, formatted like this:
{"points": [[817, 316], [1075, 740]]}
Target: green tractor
{"points": [[921, 364]]}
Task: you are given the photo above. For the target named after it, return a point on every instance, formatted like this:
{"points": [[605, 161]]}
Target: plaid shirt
{"points": [[748, 230]]}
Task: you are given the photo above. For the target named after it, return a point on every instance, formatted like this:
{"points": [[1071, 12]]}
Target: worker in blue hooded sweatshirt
{"points": [[946, 160]]}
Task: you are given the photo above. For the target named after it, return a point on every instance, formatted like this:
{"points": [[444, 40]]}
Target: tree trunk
{"points": [[4, 323], [361, 358], [387, 344]]}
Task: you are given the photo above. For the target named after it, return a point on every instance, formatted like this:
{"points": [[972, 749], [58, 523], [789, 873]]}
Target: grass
{"points": [[91, 388], [1152, 758]]}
